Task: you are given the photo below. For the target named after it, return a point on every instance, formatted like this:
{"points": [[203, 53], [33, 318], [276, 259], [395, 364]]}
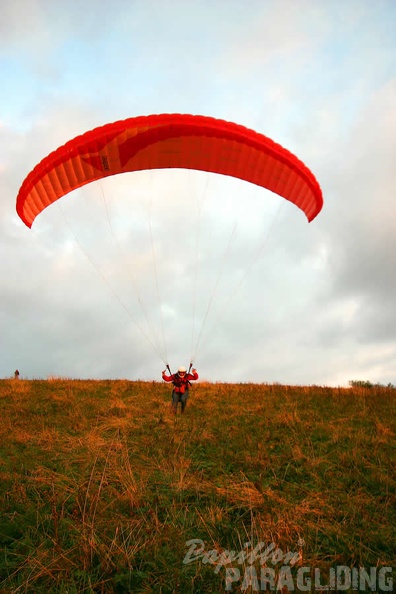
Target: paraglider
{"points": [[169, 141], [181, 383]]}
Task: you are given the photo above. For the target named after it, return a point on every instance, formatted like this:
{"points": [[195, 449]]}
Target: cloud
{"points": [[362, 228], [317, 304]]}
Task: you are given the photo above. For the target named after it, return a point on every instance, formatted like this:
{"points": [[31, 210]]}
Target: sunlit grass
{"points": [[102, 486]]}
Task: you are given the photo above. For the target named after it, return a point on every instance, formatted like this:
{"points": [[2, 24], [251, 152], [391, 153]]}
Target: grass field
{"points": [[102, 487]]}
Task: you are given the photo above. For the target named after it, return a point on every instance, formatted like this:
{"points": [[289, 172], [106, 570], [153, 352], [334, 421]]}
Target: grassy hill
{"points": [[102, 486]]}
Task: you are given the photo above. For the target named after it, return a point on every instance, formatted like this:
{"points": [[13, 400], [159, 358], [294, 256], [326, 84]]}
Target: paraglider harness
{"points": [[180, 384]]}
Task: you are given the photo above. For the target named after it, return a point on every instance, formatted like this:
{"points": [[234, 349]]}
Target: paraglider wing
{"points": [[169, 141]]}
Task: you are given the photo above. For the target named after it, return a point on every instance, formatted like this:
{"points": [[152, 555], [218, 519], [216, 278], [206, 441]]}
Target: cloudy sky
{"points": [[121, 277]]}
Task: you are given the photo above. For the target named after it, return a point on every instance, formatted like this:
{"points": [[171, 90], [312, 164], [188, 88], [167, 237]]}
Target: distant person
{"points": [[181, 383], [16, 374]]}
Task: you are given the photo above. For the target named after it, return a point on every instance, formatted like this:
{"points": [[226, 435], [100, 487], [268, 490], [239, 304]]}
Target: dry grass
{"points": [[101, 486]]}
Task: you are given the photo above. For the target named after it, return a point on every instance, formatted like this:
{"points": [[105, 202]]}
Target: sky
{"points": [[167, 267]]}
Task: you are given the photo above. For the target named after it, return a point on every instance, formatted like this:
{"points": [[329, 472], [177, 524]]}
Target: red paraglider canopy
{"points": [[169, 141]]}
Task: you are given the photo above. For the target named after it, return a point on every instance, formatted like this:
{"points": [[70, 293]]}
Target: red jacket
{"points": [[181, 384]]}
